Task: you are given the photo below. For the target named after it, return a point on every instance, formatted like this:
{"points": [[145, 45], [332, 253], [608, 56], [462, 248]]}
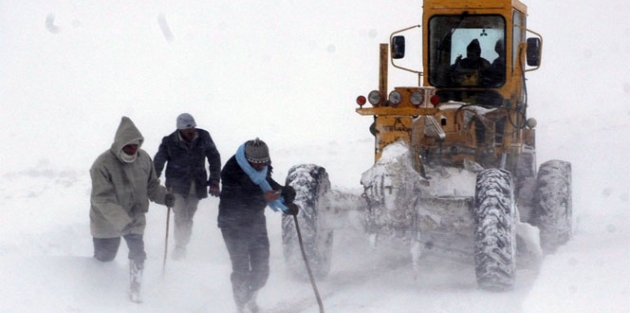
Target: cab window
{"points": [[467, 50]]}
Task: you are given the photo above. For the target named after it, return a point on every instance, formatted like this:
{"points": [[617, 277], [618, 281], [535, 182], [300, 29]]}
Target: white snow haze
{"points": [[288, 72]]}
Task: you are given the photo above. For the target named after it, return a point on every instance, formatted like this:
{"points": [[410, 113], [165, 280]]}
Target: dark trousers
{"points": [[105, 249], [249, 252]]}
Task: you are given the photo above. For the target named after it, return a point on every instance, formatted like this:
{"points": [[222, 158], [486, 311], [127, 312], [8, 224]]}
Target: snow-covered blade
{"points": [[392, 189], [435, 211], [466, 214]]}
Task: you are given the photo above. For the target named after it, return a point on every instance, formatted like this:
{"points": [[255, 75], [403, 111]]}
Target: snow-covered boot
{"points": [[135, 280], [179, 253], [251, 304], [240, 309], [240, 299]]}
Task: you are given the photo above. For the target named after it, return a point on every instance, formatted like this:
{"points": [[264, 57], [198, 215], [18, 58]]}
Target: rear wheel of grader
{"points": [[552, 211], [312, 188], [495, 236]]}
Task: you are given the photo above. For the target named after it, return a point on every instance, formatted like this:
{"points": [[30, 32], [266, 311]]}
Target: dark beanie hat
{"points": [[474, 46], [256, 151]]}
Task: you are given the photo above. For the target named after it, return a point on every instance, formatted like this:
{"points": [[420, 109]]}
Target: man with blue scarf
{"points": [[247, 190]]}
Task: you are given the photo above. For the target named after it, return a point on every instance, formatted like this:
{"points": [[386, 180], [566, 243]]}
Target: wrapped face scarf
{"points": [[259, 178]]}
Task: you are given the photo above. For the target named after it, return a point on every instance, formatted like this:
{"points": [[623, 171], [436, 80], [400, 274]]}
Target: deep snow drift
{"points": [[45, 250]]}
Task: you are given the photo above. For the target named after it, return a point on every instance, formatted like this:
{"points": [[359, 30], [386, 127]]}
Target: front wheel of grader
{"points": [[495, 231], [312, 188], [553, 210]]}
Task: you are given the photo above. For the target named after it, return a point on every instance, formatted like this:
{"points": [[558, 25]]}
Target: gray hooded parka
{"points": [[121, 190]]}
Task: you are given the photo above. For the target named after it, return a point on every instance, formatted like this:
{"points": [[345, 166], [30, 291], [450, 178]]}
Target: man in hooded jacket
{"points": [[123, 182], [248, 189]]}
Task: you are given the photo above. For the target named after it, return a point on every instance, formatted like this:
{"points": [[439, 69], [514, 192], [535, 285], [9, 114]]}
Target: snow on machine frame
{"points": [[455, 159]]}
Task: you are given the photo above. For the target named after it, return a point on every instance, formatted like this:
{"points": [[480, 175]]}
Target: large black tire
{"points": [[495, 237], [313, 194], [553, 211]]}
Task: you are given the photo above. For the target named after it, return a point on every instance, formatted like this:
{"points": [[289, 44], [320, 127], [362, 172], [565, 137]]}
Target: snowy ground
{"points": [[46, 267], [289, 73]]}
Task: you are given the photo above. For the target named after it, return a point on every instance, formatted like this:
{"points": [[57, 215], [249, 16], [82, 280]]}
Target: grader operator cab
{"points": [[455, 168]]}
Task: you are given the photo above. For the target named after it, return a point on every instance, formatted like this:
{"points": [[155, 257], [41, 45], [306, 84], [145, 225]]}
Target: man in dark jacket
{"points": [[494, 75], [247, 189], [186, 151], [123, 182], [466, 72]]}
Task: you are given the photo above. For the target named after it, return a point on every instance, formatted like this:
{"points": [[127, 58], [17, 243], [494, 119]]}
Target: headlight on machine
{"points": [[416, 98], [395, 98], [374, 97]]}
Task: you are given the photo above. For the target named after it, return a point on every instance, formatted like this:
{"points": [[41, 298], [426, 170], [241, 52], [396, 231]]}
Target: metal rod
{"points": [[308, 267], [168, 217]]}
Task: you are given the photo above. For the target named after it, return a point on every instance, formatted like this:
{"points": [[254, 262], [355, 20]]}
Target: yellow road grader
{"points": [[455, 169]]}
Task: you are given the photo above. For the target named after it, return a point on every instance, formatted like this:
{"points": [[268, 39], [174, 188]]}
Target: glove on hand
{"points": [[288, 193], [169, 200], [214, 190], [292, 209], [127, 228]]}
